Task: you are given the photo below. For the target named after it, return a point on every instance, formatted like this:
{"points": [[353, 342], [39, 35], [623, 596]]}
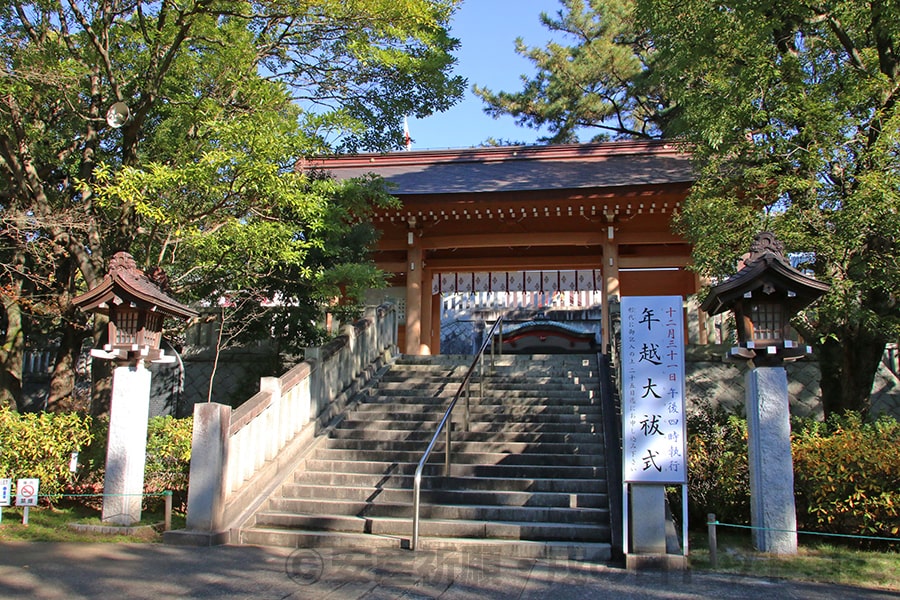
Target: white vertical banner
{"points": [[5, 491], [653, 415]]}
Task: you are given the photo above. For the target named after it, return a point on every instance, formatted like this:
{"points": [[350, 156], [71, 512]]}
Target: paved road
{"points": [[111, 571]]}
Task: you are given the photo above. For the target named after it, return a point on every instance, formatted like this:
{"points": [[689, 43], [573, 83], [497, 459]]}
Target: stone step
{"points": [[292, 538], [477, 421], [399, 526], [377, 434], [464, 458], [399, 495], [458, 445], [507, 359], [568, 425], [394, 410], [405, 482], [528, 475], [512, 377], [433, 469], [276, 508], [564, 394], [509, 390]]}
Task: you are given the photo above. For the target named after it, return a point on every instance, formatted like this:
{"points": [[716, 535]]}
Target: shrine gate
{"points": [[585, 220]]}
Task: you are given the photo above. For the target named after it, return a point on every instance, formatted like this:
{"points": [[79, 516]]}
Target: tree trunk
{"points": [[12, 355], [848, 371], [62, 380], [101, 371]]}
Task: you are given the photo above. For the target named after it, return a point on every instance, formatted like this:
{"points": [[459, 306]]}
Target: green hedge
{"points": [[40, 445], [167, 464], [168, 459], [846, 472], [847, 475], [718, 476]]}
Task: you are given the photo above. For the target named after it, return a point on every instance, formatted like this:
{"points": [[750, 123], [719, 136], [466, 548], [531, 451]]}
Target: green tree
{"points": [[789, 109], [223, 98], [601, 82], [791, 114]]}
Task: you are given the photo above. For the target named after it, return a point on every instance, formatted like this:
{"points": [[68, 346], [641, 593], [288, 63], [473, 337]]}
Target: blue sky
{"points": [[487, 30]]}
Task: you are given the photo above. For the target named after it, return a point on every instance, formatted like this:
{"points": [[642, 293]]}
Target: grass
{"points": [[818, 561], [51, 524]]}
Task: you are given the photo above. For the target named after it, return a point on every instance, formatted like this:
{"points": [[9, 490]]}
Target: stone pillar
{"points": [[648, 519], [770, 461], [209, 462], [126, 451]]}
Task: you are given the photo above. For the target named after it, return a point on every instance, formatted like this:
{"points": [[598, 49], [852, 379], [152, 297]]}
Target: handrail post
{"points": [[492, 352], [481, 382], [417, 487], [467, 408], [447, 429]]}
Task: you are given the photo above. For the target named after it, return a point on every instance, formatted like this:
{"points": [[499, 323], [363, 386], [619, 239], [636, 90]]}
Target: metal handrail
{"points": [[464, 384]]}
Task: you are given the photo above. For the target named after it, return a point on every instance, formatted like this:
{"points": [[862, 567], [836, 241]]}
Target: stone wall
{"points": [[237, 375], [713, 380]]}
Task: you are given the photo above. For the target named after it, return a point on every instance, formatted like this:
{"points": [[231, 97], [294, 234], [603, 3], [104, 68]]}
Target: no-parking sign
{"points": [[27, 492]]}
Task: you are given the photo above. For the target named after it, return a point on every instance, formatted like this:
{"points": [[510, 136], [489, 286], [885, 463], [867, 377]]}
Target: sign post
{"points": [[654, 448], [27, 496]]}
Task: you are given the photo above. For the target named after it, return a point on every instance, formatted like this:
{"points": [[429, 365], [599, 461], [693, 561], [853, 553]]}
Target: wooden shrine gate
{"points": [[566, 218]]}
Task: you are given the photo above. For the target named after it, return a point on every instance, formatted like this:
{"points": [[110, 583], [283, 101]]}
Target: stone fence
{"points": [[239, 455]]}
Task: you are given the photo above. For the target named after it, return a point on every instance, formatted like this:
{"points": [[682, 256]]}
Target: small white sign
{"points": [[27, 492], [5, 491]]}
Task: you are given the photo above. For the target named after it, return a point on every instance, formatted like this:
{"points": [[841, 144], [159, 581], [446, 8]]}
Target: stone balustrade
{"points": [[238, 456]]}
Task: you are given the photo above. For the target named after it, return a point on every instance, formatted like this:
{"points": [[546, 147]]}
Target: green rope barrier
{"points": [[166, 493], [841, 535]]}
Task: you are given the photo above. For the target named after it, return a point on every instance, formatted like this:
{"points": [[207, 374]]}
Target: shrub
{"points": [[40, 445], [847, 475], [168, 459], [718, 475], [166, 468]]}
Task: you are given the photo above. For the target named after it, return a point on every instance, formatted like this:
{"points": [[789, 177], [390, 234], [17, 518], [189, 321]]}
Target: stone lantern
{"points": [[763, 295], [136, 306]]}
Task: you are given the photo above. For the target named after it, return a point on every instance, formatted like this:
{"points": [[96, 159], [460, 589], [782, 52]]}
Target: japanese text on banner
{"points": [[653, 427]]}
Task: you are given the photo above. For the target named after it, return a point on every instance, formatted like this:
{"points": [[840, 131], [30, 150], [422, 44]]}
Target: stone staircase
{"points": [[528, 478]]}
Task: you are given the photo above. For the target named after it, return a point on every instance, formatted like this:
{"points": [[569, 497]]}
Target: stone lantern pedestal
{"points": [[126, 450], [772, 506]]}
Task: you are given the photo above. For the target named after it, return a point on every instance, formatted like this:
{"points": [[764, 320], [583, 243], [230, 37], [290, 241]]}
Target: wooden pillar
{"points": [[610, 271], [413, 299], [426, 315]]}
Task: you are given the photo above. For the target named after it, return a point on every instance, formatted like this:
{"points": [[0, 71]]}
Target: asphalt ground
{"points": [[38, 570]]}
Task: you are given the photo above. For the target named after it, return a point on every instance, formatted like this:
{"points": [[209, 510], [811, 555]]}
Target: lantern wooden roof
{"points": [[766, 270], [126, 284]]}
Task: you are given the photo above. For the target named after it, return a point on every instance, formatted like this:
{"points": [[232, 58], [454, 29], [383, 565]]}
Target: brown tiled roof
{"points": [[519, 168], [127, 283], [767, 267]]}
